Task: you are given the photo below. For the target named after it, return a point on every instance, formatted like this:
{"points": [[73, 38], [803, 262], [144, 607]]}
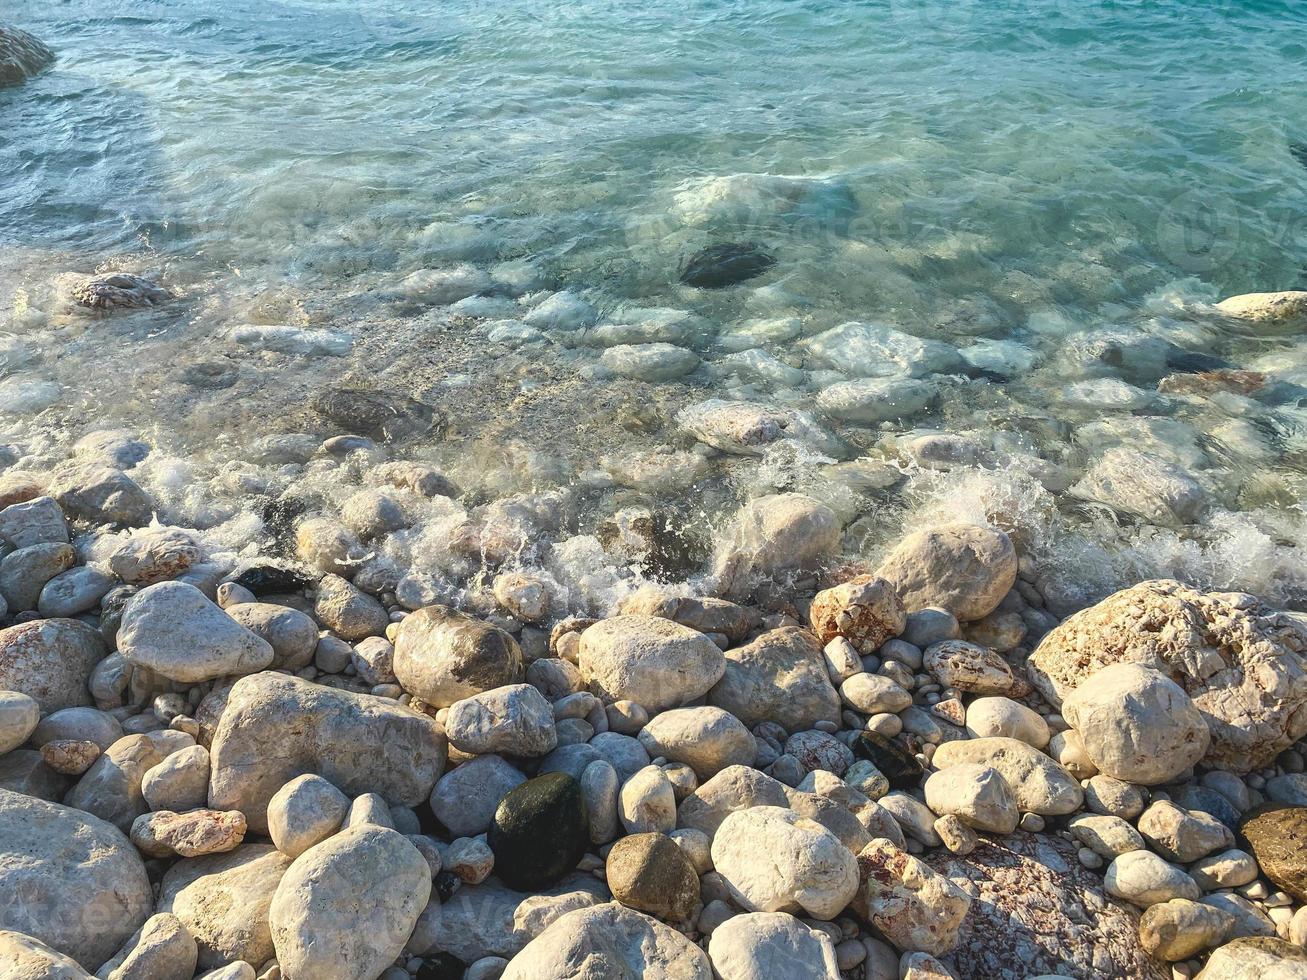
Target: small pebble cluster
{"points": [[271, 768]]}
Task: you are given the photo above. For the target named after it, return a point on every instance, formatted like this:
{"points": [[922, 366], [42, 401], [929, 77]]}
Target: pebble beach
{"points": [[439, 604]]}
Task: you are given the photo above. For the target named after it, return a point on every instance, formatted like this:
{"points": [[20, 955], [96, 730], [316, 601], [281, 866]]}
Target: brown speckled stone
{"points": [[1277, 837]]}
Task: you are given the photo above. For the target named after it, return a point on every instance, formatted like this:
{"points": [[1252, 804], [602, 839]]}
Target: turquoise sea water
{"points": [[1049, 173]]}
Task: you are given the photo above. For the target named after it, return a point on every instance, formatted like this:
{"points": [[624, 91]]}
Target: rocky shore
{"points": [[272, 766], [315, 708]]}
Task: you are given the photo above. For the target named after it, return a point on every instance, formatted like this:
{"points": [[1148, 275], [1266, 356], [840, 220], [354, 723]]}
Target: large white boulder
{"points": [[175, 630], [345, 908], [1243, 664], [652, 661], [774, 860], [706, 739], [357, 742], [617, 941], [1137, 724], [964, 568], [69, 879], [766, 945]]}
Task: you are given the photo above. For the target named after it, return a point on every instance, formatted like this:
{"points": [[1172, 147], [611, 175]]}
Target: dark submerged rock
{"points": [[539, 832], [719, 266], [374, 413], [210, 375], [898, 765], [1193, 362]]}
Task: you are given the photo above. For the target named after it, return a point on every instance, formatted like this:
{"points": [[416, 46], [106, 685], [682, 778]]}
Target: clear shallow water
{"points": [[1049, 173]]}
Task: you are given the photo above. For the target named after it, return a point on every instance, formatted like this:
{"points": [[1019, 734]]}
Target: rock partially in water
{"points": [[210, 375], [100, 494], [1146, 486], [774, 535], [966, 569], [726, 264], [119, 291], [1035, 910], [443, 656], [1268, 313], [1298, 150], [389, 415], [21, 55]]}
